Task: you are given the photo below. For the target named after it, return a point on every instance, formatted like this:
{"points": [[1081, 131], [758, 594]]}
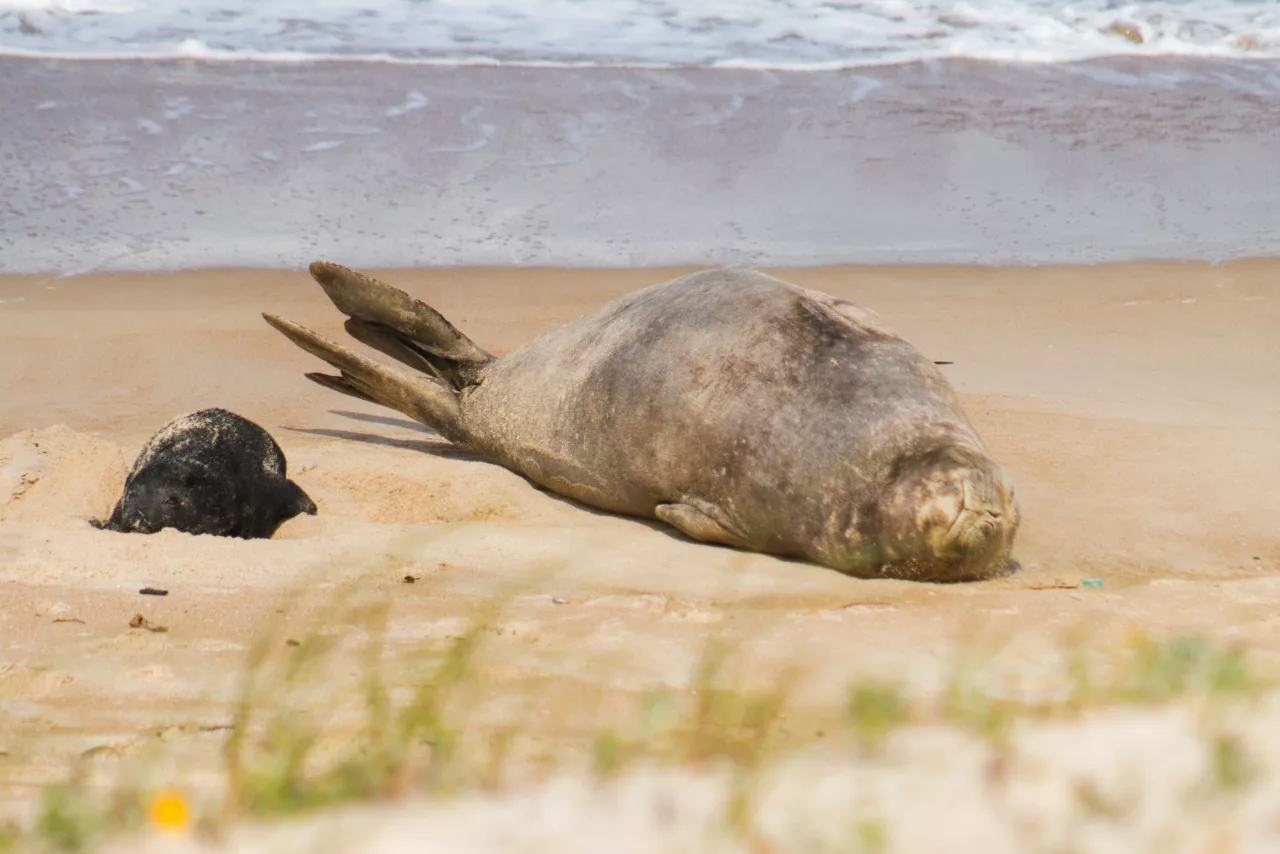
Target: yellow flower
{"points": [[169, 811]]}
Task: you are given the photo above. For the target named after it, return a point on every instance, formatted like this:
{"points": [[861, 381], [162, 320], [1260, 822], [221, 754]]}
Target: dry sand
{"points": [[1137, 406]]}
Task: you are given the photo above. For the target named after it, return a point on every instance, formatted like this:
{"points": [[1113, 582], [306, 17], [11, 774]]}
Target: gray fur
{"points": [[729, 404]]}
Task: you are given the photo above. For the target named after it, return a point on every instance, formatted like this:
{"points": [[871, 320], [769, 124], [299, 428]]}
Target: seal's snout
{"points": [[979, 537], [142, 512], [135, 521], [954, 513]]}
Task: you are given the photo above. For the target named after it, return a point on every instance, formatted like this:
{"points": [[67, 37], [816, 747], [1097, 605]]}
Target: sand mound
{"points": [[59, 476]]}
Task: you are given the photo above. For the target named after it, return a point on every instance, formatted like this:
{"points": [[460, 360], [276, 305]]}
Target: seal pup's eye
{"points": [[172, 501]]}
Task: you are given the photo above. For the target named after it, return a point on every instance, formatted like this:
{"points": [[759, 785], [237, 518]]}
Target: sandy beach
{"points": [[1134, 404], [1090, 243]]}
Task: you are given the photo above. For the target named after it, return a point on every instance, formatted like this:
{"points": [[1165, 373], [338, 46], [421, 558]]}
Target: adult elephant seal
{"points": [[731, 405], [209, 472]]}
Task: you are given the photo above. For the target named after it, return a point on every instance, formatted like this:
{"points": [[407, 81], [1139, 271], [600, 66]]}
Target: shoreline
{"points": [[911, 269], [220, 57]]}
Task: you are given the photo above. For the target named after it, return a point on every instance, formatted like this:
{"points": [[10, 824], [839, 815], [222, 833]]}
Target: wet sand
{"points": [[1137, 407], [187, 164]]}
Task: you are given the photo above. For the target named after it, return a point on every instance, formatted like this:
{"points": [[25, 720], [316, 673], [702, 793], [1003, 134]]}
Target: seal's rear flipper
{"points": [[404, 328], [338, 384], [384, 340], [423, 399]]}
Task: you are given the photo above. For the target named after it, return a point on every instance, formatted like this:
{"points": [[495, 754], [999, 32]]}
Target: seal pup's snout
{"points": [[156, 503], [137, 523]]}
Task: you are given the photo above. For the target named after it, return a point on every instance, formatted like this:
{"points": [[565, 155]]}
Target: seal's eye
{"points": [[172, 501]]}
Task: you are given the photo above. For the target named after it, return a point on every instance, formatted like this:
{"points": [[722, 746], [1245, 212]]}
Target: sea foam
{"points": [[781, 34]]}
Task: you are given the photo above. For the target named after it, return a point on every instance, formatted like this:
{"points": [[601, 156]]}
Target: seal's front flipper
{"points": [[697, 523], [294, 501], [423, 399], [386, 313]]}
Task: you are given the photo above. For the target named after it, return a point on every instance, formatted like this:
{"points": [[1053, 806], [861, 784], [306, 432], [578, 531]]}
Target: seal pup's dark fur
{"points": [[210, 472], [733, 406]]}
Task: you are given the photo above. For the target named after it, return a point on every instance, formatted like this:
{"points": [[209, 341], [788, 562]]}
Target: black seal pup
{"points": [[210, 472], [736, 407]]}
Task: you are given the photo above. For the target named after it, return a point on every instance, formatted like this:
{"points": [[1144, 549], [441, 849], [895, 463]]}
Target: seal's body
{"points": [[731, 405], [209, 472]]}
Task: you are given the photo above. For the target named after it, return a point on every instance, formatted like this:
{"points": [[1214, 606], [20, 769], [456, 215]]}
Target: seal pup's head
{"points": [[190, 497], [210, 472], [948, 514], [177, 494]]}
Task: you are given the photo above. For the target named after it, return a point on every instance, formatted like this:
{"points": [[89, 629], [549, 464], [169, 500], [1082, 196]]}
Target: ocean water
{"points": [[769, 34], [534, 132]]}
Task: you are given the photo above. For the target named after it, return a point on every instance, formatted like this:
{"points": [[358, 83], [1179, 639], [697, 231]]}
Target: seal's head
{"points": [[209, 472], [181, 495], [948, 514], [187, 496]]}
